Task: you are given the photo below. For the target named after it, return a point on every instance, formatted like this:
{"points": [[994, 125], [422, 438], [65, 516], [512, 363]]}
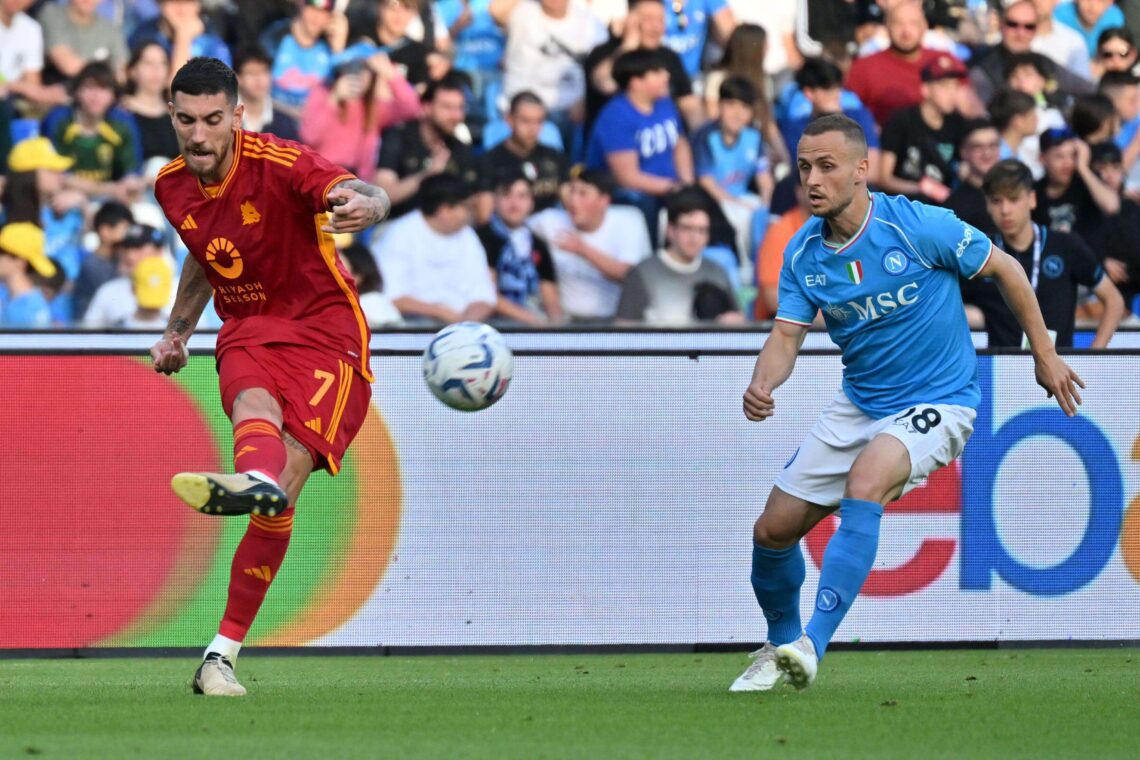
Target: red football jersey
{"points": [[257, 235]]}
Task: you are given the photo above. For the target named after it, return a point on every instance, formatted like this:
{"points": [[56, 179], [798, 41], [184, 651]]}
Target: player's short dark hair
{"points": [[251, 53], [634, 3], [837, 122], [449, 82], [525, 98], [1006, 178], [739, 89], [442, 190], [637, 63], [974, 125], [686, 201], [819, 74], [1089, 114], [110, 214], [507, 178], [97, 73], [1113, 81], [205, 76], [601, 180], [1008, 104], [1014, 61], [368, 277]]}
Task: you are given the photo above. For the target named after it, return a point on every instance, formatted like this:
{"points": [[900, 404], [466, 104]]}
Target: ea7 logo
{"points": [[879, 305], [812, 280]]}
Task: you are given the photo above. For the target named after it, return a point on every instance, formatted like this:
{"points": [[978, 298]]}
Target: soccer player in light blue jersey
{"points": [[884, 271]]}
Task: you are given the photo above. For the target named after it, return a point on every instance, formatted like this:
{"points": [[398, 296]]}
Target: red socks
{"points": [[255, 565], [258, 448]]}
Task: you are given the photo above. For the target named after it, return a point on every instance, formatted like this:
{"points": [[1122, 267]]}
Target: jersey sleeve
{"points": [[615, 131], [894, 134], [702, 154], [312, 176], [391, 148], [634, 298], [544, 263], [943, 241], [794, 304], [1086, 270]]}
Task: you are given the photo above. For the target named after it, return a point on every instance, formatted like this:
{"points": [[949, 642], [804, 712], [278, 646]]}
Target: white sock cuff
{"points": [[227, 648]]}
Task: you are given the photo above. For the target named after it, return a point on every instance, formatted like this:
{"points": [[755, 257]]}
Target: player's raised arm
{"points": [[1053, 374], [773, 367], [194, 291], [356, 206]]}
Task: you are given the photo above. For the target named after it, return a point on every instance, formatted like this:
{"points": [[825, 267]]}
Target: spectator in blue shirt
{"points": [[479, 41], [818, 90], [730, 158], [1089, 18], [22, 258], [638, 136], [301, 50], [180, 29], [687, 28]]}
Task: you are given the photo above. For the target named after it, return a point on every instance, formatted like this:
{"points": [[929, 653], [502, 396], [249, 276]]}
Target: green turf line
{"points": [[1073, 703]]}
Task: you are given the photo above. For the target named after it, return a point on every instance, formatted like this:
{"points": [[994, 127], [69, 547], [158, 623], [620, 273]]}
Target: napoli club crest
{"points": [[895, 262], [1053, 267]]}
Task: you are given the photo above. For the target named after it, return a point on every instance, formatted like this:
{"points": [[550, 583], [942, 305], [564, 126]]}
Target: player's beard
{"points": [[201, 168]]}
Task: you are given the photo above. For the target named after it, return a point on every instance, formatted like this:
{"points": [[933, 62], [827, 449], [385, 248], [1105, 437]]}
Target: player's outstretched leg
{"points": [[256, 562], [777, 575], [259, 459], [846, 564]]}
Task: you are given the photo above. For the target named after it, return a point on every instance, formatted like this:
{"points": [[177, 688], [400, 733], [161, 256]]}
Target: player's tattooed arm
{"points": [[170, 353], [356, 205]]}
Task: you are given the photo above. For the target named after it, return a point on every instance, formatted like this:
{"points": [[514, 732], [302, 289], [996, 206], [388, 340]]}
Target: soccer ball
{"points": [[468, 366]]}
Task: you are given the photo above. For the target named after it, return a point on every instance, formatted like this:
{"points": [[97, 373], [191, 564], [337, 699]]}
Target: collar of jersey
{"points": [[230, 174], [858, 233]]}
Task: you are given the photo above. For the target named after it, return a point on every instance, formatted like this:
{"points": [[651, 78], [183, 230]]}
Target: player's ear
{"points": [[239, 114]]}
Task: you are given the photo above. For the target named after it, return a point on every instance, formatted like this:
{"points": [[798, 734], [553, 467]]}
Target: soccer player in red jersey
{"points": [[292, 354]]}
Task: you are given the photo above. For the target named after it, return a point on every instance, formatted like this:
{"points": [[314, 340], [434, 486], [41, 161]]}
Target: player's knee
{"points": [[867, 485], [256, 403], [771, 535]]}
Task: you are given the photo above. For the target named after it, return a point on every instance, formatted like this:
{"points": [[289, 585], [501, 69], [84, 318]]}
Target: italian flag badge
{"points": [[855, 271]]}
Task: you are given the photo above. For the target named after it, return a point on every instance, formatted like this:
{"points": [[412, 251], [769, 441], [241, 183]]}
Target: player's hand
{"points": [[758, 403], [1059, 380], [169, 354], [353, 211]]}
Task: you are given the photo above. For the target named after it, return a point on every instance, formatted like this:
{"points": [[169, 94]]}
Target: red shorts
{"points": [[323, 398]]}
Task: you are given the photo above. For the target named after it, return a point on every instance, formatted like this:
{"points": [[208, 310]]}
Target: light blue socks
{"points": [[777, 575], [846, 563]]}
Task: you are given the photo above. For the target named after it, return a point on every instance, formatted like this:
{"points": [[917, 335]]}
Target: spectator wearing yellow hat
{"points": [[39, 191], [22, 260], [153, 284]]}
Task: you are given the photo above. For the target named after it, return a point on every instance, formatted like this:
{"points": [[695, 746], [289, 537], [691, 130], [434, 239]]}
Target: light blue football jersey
{"points": [[891, 301]]}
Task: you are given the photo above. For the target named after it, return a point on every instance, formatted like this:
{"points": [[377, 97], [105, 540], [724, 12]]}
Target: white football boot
{"points": [[798, 662], [215, 678], [762, 674]]}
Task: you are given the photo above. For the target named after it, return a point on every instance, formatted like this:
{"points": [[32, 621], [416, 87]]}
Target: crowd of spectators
{"points": [[566, 161]]}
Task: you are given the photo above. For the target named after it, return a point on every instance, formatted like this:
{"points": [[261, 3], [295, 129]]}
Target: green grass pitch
{"points": [[1031, 703]]}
